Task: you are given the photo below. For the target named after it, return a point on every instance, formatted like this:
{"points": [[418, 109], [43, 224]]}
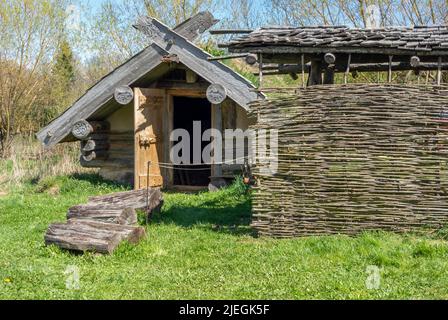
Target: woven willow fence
{"points": [[354, 158]]}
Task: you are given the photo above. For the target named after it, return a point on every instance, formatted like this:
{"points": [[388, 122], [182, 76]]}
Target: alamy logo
{"points": [[373, 280], [72, 277], [373, 17], [233, 146], [73, 17]]}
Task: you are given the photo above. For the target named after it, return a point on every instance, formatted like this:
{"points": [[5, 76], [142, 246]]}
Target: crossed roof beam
{"points": [[166, 42]]}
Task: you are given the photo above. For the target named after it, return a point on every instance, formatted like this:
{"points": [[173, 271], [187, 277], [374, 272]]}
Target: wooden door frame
{"points": [[168, 173], [216, 119], [168, 123], [138, 92]]}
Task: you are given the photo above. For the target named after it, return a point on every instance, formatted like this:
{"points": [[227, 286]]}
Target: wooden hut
{"points": [[352, 156], [321, 51], [124, 121]]}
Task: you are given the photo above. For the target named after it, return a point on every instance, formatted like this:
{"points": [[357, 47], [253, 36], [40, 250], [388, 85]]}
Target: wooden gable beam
{"points": [[126, 74], [238, 88], [193, 27]]}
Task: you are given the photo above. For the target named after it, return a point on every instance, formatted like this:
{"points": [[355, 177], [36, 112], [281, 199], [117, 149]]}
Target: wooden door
{"points": [[149, 107]]}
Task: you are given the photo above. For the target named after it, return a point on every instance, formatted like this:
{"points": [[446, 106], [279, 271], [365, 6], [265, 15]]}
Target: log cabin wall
{"points": [[106, 134], [119, 165]]}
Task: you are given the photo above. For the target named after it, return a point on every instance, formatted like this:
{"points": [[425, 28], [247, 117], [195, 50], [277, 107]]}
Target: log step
{"points": [[135, 199], [89, 235], [133, 234], [105, 221]]}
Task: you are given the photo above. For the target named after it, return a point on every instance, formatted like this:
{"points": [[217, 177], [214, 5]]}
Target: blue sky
{"points": [[86, 11], [221, 12], [95, 4]]}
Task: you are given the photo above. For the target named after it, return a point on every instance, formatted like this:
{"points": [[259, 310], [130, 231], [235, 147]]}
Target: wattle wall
{"points": [[354, 158]]}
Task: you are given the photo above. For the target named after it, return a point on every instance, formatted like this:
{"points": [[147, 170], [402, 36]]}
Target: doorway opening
{"points": [[185, 112]]}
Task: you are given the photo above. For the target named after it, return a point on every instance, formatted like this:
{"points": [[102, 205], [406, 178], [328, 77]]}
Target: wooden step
{"points": [[105, 213], [105, 221], [90, 235], [136, 199]]}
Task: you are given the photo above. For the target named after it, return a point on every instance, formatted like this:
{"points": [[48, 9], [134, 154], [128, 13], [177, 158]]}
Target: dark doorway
{"points": [[185, 111]]}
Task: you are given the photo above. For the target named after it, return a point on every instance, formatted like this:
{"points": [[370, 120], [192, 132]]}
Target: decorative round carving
{"points": [[251, 59], [82, 129], [330, 58], [216, 93], [415, 61], [124, 95]]}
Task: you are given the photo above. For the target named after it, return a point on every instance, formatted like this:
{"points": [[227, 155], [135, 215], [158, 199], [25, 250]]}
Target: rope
{"points": [[185, 169], [171, 165], [147, 193], [166, 165]]}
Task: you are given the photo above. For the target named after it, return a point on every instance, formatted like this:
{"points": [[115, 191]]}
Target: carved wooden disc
{"points": [[415, 61], [216, 93], [330, 58], [82, 129], [124, 95], [251, 59]]}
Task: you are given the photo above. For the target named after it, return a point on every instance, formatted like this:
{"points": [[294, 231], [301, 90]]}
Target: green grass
{"points": [[201, 247]]}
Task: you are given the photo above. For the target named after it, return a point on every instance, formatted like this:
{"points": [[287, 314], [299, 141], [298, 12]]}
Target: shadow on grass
{"points": [[225, 212], [216, 214]]}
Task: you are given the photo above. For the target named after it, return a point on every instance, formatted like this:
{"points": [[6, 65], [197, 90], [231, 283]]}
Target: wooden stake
{"points": [[348, 68], [439, 71], [303, 71], [260, 70], [147, 193], [315, 77], [389, 72], [329, 75]]}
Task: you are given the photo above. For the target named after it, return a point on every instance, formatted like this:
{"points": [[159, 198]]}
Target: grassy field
{"points": [[201, 247]]}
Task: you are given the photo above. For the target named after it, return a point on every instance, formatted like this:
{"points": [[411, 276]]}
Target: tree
{"points": [[29, 31], [112, 37], [354, 13], [64, 88], [64, 70]]}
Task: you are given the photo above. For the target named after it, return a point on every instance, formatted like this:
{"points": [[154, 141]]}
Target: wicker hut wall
{"points": [[354, 158]]}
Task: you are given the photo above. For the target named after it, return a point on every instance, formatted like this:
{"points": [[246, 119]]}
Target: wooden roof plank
{"points": [[100, 94], [429, 40]]}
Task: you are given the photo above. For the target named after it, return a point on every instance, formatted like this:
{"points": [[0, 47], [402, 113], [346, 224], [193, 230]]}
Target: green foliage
{"points": [[63, 88], [442, 233], [29, 31], [46, 184], [428, 249], [246, 74], [201, 247], [64, 70], [239, 187], [210, 47]]}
